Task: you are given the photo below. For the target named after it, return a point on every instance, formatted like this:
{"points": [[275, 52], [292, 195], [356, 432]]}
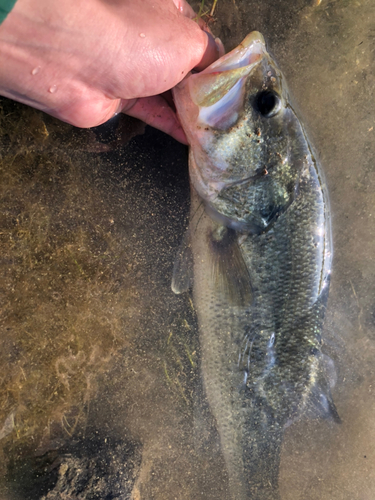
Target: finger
{"points": [[84, 113], [211, 54], [155, 111], [187, 11]]}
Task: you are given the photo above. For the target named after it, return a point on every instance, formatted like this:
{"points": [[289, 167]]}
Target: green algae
{"points": [[62, 314]]}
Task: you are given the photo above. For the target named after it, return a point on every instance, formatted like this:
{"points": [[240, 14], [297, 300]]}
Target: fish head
{"points": [[247, 148]]}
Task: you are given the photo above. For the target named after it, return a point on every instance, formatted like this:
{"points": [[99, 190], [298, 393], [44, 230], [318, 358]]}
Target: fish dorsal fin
{"points": [[183, 273], [229, 271]]}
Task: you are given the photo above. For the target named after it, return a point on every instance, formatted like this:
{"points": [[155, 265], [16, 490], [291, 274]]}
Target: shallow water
{"points": [[100, 390]]}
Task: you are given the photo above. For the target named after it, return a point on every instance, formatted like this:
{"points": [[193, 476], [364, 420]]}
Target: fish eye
{"points": [[267, 102]]}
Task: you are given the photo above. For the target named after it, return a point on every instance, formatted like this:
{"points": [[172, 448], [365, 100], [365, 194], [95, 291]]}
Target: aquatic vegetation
{"points": [[62, 315], [206, 13]]}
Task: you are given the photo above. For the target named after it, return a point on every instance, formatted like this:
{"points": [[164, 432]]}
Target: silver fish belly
{"points": [[259, 242]]}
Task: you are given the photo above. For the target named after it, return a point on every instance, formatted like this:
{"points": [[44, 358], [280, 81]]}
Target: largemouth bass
{"points": [[258, 252]]}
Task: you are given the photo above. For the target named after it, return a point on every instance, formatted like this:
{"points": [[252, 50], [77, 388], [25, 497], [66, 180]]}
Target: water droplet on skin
{"points": [[142, 35], [52, 89], [35, 71]]}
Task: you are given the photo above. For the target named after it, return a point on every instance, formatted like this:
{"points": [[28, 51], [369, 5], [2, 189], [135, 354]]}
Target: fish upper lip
{"points": [[243, 55]]}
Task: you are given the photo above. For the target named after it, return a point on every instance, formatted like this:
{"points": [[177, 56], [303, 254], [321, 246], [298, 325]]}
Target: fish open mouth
{"points": [[241, 56], [218, 90]]}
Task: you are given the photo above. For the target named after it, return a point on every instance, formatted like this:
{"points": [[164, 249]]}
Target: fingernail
{"points": [[125, 105], [220, 46]]}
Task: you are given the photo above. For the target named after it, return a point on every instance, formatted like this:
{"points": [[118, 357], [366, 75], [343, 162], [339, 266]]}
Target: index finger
{"points": [[214, 48]]}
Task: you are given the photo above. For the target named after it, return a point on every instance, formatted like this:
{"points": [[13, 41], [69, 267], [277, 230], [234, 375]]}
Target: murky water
{"points": [[100, 391]]}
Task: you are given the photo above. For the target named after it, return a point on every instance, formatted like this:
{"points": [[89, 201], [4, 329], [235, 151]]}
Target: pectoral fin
{"points": [[229, 270]]}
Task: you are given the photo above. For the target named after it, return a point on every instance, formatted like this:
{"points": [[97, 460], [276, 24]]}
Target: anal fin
{"points": [[320, 403]]}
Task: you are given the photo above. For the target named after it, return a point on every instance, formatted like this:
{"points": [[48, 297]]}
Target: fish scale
{"points": [[260, 242]]}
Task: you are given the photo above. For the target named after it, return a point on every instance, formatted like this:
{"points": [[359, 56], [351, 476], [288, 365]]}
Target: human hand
{"points": [[83, 61]]}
